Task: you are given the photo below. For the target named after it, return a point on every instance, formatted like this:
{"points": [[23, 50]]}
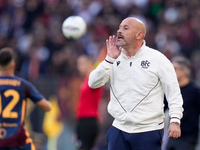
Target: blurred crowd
{"points": [[33, 28]]}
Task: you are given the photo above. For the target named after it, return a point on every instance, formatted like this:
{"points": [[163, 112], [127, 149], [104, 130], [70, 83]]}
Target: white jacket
{"points": [[137, 87]]}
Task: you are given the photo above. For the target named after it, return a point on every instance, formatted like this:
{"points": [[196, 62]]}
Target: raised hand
{"points": [[113, 50]]}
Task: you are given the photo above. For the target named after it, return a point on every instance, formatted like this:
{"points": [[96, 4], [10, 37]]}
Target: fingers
{"points": [[110, 41], [113, 50], [174, 134], [106, 42], [174, 130]]}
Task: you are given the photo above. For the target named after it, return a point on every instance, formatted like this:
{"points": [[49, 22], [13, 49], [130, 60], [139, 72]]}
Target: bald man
{"points": [[139, 77]]}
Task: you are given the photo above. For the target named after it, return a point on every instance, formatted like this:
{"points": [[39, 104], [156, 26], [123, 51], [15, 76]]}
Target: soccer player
{"points": [[14, 92], [139, 76]]}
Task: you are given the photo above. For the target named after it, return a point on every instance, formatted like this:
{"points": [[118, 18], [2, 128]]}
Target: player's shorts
{"points": [[87, 131], [28, 146], [119, 140]]}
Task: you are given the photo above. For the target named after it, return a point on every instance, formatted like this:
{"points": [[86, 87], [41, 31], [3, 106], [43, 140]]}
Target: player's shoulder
{"points": [[23, 81]]}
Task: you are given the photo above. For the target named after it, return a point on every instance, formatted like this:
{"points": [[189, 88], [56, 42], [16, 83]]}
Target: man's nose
{"points": [[119, 31]]}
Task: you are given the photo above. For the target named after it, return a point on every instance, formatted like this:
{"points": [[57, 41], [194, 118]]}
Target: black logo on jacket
{"points": [[118, 62], [145, 64]]}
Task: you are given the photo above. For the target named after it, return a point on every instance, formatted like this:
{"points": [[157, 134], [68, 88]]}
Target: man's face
{"points": [[179, 71], [126, 33], [82, 64]]}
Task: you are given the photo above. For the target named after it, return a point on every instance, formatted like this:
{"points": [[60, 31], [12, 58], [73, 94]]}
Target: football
{"points": [[74, 27]]}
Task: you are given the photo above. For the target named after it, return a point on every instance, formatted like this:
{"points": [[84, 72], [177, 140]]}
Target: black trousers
{"points": [[182, 144], [87, 131]]}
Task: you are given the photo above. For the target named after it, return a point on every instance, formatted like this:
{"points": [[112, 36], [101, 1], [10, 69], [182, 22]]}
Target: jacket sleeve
{"points": [[101, 74], [171, 89]]}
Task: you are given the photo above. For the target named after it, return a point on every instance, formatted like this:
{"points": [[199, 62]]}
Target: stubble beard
{"points": [[121, 43]]}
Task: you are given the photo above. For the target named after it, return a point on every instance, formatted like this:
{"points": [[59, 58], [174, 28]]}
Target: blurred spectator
{"points": [[191, 105]]}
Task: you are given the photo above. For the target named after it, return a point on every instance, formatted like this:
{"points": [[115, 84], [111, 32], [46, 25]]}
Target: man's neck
{"points": [[131, 51], [6, 73]]}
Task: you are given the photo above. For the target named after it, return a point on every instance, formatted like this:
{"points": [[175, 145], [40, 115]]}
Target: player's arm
{"points": [[44, 104], [36, 96]]}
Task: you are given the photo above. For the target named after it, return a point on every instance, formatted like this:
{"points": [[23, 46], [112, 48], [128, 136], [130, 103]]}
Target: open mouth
{"points": [[120, 37]]}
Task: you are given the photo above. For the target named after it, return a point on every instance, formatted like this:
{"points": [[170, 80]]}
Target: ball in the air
{"points": [[74, 27]]}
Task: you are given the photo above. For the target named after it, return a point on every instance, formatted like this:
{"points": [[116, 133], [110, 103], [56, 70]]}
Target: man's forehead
{"points": [[128, 22]]}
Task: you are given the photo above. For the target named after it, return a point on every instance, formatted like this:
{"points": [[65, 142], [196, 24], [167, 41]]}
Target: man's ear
{"points": [[13, 65], [139, 35]]}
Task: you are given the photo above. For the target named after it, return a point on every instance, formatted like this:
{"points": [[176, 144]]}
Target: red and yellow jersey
{"points": [[14, 92]]}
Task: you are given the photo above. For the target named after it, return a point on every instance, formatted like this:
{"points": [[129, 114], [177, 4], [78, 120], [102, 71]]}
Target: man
{"points": [[139, 76], [14, 92], [88, 104], [191, 105]]}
